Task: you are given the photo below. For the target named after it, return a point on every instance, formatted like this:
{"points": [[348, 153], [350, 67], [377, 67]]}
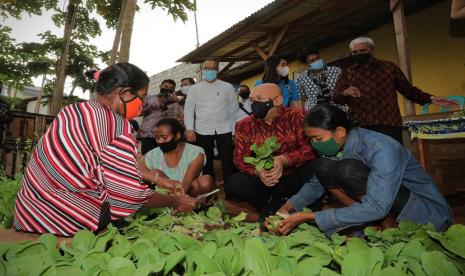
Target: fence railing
{"points": [[20, 136]]}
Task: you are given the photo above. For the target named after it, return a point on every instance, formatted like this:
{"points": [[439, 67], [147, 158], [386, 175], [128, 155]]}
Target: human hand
{"points": [[278, 166], [285, 209], [190, 136], [286, 226], [167, 183], [185, 203], [444, 102], [352, 92], [263, 175]]}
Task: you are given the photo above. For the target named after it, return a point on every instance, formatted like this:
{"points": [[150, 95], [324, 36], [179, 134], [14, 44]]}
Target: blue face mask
{"points": [[317, 65], [209, 75]]}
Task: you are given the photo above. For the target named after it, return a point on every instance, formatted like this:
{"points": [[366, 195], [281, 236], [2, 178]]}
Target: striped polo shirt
{"points": [[85, 160]]}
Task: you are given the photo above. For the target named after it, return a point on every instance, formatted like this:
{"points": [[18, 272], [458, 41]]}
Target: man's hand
{"points": [[278, 166], [185, 203], [444, 102], [352, 92], [263, 175], [190, 136], [286, 226]]}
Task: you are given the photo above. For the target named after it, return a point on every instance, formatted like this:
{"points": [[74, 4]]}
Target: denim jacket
{"points": [[391, 165]]}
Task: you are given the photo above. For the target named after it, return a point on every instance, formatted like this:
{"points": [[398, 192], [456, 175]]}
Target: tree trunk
{"points": [[127, 30], [117, 40], [61, 69], [39, 97]]}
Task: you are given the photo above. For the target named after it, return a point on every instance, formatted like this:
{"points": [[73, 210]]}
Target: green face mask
{"points": [[328, 148]]}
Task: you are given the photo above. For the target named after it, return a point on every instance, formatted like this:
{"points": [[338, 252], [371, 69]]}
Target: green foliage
{"points": [[11, 100], [212, 243], [14, 8], [175, 8], [263, 159], [8, 190]]}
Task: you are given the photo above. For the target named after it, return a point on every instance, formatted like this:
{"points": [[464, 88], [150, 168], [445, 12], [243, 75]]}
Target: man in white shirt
{"points": [[245, 104], [210, 115]]}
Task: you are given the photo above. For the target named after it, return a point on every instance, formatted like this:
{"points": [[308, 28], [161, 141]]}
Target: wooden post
{"points": [[226, 68], [278, 40], [259, 50], [397, 9]]}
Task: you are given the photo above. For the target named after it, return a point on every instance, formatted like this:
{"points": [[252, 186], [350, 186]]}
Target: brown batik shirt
{"points": [[378, 82]]}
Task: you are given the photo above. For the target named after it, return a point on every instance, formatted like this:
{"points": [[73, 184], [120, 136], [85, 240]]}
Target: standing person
{"points": [[374, 167], [267, 190], [316, 85], [210, 115], [369, 88], [186, 84], [83, 172], [277, 72], [245, 108], [157, 107]]}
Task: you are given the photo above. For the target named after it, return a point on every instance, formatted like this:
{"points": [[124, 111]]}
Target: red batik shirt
{"points": [[287, 127], [378, 82]]}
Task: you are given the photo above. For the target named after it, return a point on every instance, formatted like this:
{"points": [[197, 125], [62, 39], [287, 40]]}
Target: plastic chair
{"points": [[459, 99]]}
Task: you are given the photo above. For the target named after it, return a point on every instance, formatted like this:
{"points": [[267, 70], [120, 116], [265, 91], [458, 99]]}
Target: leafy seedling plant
{"points": [[263, 159]]}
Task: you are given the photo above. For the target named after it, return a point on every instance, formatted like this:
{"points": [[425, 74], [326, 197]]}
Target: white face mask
{"points": [[283, 71], [185, 89]]}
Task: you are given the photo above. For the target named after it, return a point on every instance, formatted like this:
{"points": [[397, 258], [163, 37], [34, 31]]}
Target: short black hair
{"points": [[305, 52], [170, 81], [327, 117], [119, 75], [191, 80], [244, 85], [215, 59], [175, 125]]}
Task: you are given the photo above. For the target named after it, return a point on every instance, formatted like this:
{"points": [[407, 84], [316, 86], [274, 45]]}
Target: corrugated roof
{"points": [[314, 23]]}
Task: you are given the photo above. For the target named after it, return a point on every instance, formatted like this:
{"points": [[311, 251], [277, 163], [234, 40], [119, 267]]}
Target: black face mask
{"points": [[168, 146], [361, 58], [261, 109], [244, 95]]}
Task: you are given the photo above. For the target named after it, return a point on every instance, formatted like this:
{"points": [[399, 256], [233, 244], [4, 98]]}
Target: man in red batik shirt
{"points": [[266, 190]]}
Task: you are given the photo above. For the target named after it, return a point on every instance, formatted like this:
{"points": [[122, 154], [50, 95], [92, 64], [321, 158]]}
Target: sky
{"points": [[157, 40]]}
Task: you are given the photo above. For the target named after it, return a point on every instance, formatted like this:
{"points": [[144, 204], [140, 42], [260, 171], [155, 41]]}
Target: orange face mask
{"points": [[132, 108]]}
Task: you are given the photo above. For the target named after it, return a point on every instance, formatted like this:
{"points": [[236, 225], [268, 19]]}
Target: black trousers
{"points": [[392, 131], [267, 200], [352, 176], [225, 150], [147, 144]]}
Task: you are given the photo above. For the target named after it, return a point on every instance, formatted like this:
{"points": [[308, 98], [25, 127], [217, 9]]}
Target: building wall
{"points": [[175, 73], [437, 58]]}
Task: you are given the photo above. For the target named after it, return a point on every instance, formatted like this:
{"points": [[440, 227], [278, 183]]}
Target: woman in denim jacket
{"points": [[366, 165]]}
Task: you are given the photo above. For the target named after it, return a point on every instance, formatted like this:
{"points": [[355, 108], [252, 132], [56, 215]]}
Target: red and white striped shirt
{"points": [[86, 157]]}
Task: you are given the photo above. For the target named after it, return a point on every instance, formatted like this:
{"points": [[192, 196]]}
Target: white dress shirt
{"points": [[247, 105], [211, 108]]}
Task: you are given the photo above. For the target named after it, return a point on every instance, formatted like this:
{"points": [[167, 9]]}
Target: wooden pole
{"points": [[39, 97], [278, 40], [259, 50], [397, 9]]}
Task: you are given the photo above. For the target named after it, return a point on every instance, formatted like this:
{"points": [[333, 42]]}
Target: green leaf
{"points": [[214, 213], [356, 244], [172, 260], [83, 240], [240, 217], [102, 239], [391, 271], [435, 263], [121, 266], [140, 247], [327, 272], [363, 262], [453, 239], [258, 258], [308, 267]]}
